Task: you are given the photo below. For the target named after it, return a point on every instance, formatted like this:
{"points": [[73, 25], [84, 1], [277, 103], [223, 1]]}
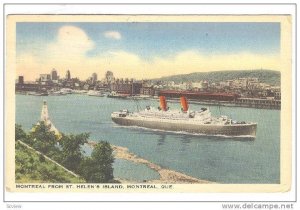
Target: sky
{"points": [[144, 50]]}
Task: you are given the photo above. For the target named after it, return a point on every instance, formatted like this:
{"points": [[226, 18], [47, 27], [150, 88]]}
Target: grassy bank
{"points": [[34, 168]]}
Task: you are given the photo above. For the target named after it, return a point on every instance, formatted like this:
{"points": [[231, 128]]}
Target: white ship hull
{"points": [[95, 93], [190, 127]]}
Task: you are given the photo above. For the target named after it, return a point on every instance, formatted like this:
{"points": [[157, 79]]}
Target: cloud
{"points": [[69, 51], [29, 66], [71, 41], [112, 35], [130, 65]]}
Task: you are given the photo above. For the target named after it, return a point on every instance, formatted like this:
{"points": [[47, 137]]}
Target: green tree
{"points": [[98, 168], [19, 132], [44, 140], [71, 150]]}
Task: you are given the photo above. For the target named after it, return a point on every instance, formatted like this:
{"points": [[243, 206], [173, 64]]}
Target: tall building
{"points": [[94, 77], [21, 80], [45, 77], [54, 74], [109, 77], [68, 75]]}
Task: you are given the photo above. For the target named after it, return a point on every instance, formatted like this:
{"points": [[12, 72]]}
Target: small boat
{"points": [[66, 90], [80, 91], [117, 95], [38, 93], [57, 93], [140, 97], [95, 93]]}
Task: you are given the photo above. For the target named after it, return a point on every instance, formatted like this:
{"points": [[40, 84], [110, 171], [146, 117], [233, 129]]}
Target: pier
{"points": [[256, 103]]}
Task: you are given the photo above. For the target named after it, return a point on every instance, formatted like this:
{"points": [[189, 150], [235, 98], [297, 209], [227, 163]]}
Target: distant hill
{"points": [[267, 76]]}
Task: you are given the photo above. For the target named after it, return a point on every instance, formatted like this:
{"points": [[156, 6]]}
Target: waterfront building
{"points": [[94, 78], [54, 76], [243, 83], [27, 87], [21, 80], [206, 96], [277, 95], [175, 86], [126, 87], [147, 90], [45, 79], [109, 77], [136, 88], [86, 86], [196, 86], [68, 75], [69, 83], [205, 85], [269, 103]]}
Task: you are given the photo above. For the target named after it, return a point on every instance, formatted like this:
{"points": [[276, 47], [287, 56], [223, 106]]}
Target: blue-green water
{"points": [[133, 171], [224, 160], [128, 170]]}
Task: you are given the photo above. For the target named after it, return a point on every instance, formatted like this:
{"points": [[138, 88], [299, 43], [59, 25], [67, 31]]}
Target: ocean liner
{"points": [[185, 120]]}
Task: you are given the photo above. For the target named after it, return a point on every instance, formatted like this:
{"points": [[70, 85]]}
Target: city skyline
{"points": [[145, 50]]}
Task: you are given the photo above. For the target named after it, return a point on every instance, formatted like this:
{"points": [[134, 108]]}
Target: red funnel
{"points": [[163, 103], [184, 104]]}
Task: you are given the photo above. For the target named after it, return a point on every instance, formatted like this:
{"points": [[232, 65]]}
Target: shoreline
{"points": [[254, 103], [166, 175]]}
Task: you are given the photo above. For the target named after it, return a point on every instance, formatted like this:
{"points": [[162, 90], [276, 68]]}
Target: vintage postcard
{"points": [[148, 103]]}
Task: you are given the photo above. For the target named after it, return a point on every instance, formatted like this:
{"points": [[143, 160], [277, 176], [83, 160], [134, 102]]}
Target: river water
{"points": [[217, 159]]}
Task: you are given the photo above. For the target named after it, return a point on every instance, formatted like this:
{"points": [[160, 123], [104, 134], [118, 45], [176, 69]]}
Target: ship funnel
{"points": [[184, 104], [163, 103]]}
